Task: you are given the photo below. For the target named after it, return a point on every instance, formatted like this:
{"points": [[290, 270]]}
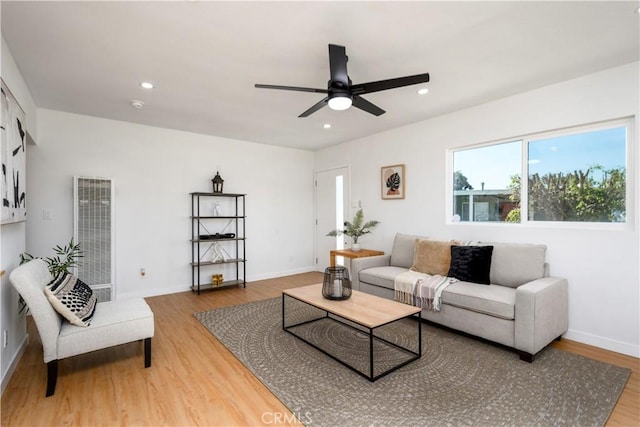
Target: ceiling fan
{"points": [[341, 94]]}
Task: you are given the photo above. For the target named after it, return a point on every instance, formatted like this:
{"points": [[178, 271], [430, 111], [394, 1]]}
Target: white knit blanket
{"points": [[421, 290]]}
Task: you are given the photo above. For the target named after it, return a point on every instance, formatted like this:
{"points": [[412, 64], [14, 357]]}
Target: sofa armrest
{"points": [[541, 313], [359, 264]]}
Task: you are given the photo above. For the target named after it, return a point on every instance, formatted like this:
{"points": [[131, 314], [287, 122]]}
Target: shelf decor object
{"points": [[217, 182], [336, 284], [215, 251]]}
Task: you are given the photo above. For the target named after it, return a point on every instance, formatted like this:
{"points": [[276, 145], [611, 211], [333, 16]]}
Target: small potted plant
{"points": [[66, 257], [355, 229]]}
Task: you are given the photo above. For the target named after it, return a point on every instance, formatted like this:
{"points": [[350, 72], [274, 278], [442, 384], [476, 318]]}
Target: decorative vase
{"points": [[336, 284], [355, 247]]}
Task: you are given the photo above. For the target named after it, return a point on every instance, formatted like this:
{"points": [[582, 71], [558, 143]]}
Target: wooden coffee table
{"points": [[368, 311]]}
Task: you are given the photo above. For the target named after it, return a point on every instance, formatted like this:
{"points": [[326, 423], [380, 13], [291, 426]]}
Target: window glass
{"points": [[486, 183], [579, 177]]}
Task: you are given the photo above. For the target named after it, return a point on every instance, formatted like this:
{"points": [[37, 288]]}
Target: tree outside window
{"points": [[579, 177]]}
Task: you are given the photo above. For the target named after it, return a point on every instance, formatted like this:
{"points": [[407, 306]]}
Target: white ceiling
{"points": [[205, 57]]}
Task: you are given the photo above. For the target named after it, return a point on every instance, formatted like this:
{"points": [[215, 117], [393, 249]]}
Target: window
{"points": [[482, 182], [577, 175]]}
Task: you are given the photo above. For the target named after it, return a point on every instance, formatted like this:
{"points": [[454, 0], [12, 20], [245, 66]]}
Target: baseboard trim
{"points": [[602, 342], [267, 276], [14, 363], [153, 292], [184, 288]]}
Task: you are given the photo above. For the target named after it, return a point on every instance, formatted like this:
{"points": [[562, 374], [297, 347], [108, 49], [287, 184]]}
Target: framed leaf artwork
{"points": [[392, 182]]}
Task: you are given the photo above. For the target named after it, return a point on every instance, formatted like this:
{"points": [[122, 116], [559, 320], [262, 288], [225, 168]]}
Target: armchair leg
{"points": [[147, 352], [52, 377]]}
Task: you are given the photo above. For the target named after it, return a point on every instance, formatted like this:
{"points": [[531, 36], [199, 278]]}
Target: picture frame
{"points": [[14, 138], [392, 185]]}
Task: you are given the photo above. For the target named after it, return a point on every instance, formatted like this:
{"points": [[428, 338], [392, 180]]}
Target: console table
{"points": [[348, 253]]}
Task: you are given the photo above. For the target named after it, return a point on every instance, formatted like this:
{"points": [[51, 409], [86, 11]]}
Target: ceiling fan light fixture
{"points": [[340, 102], [341, 93]]}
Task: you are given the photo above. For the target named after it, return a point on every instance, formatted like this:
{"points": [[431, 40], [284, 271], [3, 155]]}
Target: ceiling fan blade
{"points": [[371, 87], [365, 105], [315, 107], [296, 88], [338, 65]]}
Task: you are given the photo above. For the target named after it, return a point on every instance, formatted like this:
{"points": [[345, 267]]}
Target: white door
{"points": [[332, 207]]}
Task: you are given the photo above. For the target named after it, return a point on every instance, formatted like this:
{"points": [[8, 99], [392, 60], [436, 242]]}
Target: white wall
{"points": [[601, 266], [12, 236], [154, 171]]}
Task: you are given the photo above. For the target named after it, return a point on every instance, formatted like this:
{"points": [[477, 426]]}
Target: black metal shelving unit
{"points": [[202, 223]]}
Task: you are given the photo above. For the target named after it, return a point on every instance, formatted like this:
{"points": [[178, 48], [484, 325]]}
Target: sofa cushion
{"points": [[494, 300], [402, 251], [432, 256], [381, 276], [513, 264], [471, 263], [72, 298]]}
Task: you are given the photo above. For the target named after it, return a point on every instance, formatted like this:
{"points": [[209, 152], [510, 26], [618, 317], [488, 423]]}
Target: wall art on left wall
{"points": [[14, 158]]}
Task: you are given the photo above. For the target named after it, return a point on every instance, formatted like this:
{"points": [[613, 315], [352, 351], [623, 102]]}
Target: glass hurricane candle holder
{"points": [[336, 284]]}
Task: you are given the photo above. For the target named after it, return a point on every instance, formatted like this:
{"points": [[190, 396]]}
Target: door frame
{"points": [[347, 192]]}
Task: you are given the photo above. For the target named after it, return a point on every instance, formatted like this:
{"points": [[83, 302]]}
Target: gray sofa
{"points": [[522, 308]]}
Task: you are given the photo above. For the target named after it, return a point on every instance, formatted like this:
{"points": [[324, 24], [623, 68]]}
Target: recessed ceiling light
{"points": [[147, 85], [327, 126], [423, 91], [137, 104]]}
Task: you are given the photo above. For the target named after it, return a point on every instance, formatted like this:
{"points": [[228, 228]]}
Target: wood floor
{"points": [[194, 380]]}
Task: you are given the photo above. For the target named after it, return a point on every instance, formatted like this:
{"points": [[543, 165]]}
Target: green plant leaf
{"points": [[356, 228], [66, 258]]}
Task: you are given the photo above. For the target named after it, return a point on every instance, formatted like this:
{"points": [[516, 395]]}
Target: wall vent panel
{"points": [[93, 229]]}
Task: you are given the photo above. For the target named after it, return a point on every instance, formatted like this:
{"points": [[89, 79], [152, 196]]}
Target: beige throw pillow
{"points": [[432, 256]]}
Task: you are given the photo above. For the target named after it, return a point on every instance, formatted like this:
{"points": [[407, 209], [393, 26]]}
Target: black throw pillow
{"points": [[471, 263]]}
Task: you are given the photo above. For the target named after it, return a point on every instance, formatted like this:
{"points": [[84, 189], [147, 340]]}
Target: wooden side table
{"points": [[348, 253]]}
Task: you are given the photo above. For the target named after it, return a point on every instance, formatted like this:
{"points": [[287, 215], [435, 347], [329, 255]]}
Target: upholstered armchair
{"points": [[113, 323]]}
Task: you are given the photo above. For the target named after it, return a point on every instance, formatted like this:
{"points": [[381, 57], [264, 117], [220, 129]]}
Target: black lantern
{"points": [[217, 183], [336, 284]]}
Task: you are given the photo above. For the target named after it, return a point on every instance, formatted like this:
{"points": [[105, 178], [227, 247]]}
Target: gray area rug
{"points": [[459, 381]]}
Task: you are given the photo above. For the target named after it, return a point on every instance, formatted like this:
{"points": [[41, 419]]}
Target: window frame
{"points": [[630, 183]]}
